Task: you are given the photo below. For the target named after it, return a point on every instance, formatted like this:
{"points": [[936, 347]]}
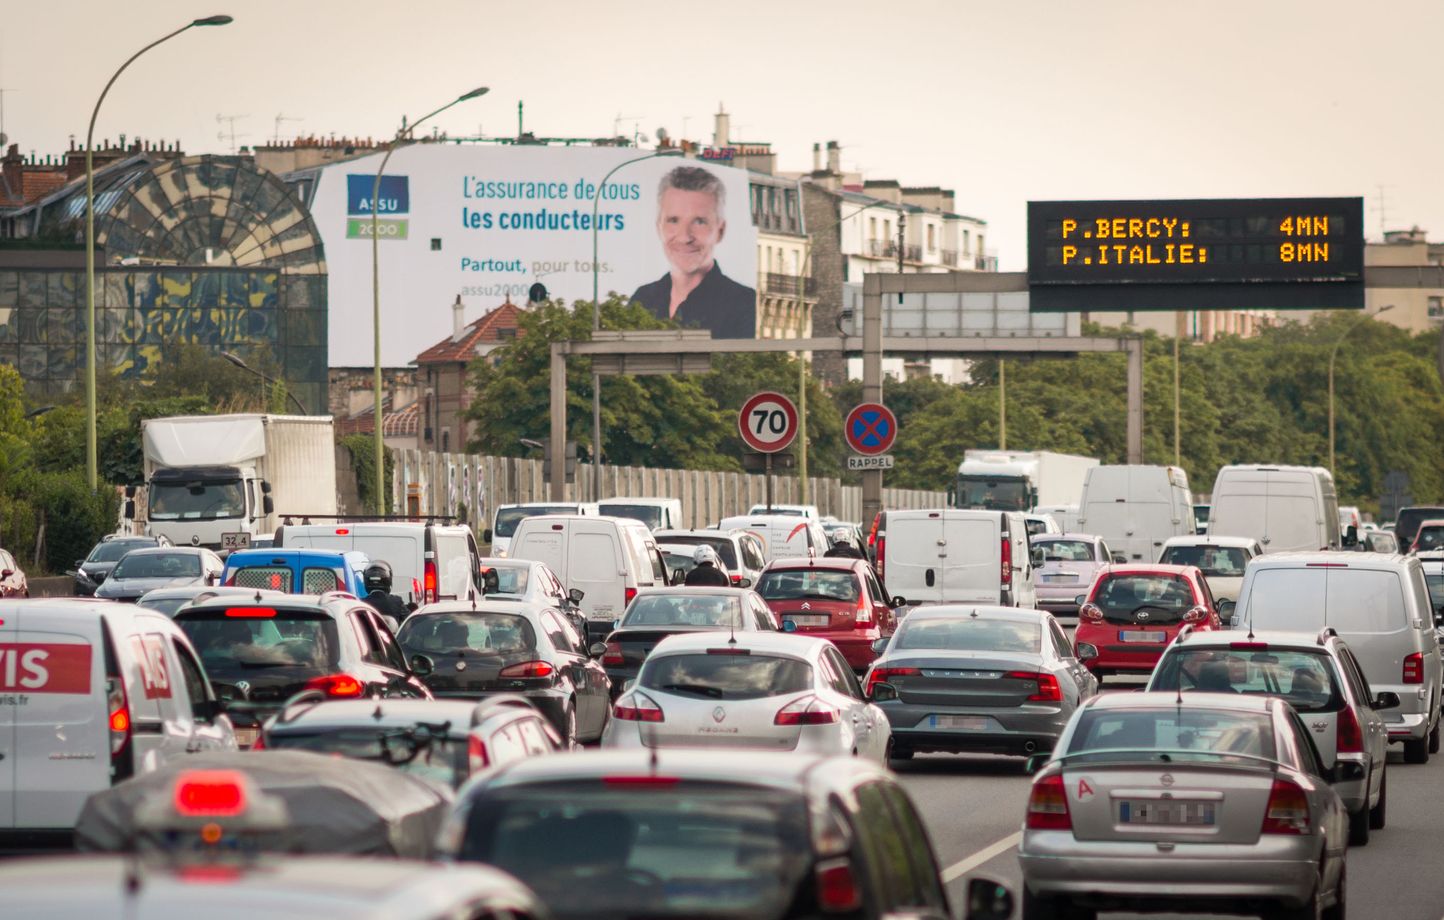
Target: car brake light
{"points": [[862, 619], [250, 611], [342, 531], [528, 669], [1091, 612], [881, 554], [1195, 615], [210, 794], [807, 711], [729, 650], [1348, 734], [628, 594], [645, 779], [476, 758], [1288, 810], [837, 888], [737, 579], [119, 714], [428, 573], [340, 686], [638, 709], [1414, 668], [1048, 805], [1249, 646], [1007, 573], [1326, 565], [884, 675], [260, 743], [1048, 690], [613, 656]]}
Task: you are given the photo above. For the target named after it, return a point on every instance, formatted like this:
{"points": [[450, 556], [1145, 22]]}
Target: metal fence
{"points": [[470, 486]]}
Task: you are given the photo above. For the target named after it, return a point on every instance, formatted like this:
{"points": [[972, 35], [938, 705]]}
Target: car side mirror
{"points": [[6, 573], [1080, 599], [1119, 558], [1351, 535], [1226, 609], [486, 535], [1085, 651], [1386, 699], [79, 563], [575, 595], [745, 583], [1034, 763], [422, 665], [268, 504], [879, 645], [882, 693], [1439, 616], [898, 601], [988, 900], [129, 512], [597, 650]]}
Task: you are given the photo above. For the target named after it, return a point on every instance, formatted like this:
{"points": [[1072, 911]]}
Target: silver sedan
{"points": [[1157, 802], [968, 678]]}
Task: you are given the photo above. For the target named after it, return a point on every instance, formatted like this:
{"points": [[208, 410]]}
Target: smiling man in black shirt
{"points": [[691, 204]]}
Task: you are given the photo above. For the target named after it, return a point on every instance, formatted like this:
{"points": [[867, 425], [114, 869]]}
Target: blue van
{"points": [[297, 571]]}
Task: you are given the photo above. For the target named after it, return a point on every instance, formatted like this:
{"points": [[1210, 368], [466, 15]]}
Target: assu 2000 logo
{"points": [[394, 198]]}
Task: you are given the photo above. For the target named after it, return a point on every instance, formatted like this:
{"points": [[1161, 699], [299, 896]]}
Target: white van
{"points": [[1380, 606], [609, 559], [784, 535], [1065, 515], [507, 517], [951, 556], [656, 513], [1285, 508], [807, 511], [1135, 509], [429, 562], [92, 692]]}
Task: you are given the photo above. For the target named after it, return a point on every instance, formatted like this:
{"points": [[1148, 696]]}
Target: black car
{"points": [[469, 650], [261, 651], [91, 571], [702, 833]]}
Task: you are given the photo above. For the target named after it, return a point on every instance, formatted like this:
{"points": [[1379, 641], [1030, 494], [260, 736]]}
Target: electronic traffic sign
{"points": [[870, 429], [1202, 254], [767, 422]]}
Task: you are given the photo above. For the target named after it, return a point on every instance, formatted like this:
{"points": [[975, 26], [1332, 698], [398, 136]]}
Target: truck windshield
{"points": [[996, 493], [508, 518], [173, 501], [650, 515]]}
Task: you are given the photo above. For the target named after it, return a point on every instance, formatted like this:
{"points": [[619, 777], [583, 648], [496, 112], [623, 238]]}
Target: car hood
{"points": [[135, 587]]}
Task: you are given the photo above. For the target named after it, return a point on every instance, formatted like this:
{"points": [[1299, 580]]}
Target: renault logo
{"points": [[719, 714]]}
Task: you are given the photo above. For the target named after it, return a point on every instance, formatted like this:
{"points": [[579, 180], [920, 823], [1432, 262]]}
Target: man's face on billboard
{"points": [[689, 226]]}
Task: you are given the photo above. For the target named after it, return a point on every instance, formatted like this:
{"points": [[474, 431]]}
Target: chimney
{"points": [[834, 158], [458, 323], [817, 158], [721, 128]]}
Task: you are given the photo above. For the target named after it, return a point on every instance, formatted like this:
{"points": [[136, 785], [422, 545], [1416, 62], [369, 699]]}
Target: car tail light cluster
{"points": [[807, 711], [1195, 615], [476, 756], [337, 686], [428, 575], [881, 556], [884, 675], [1090, 613], [862, 619], [1049, 691], [210, 794], [528, 669], [638, 708], [613, 655], [119, 714], [1048, 805], [1348, 734], [737, 579], [627, 596], [1414, 668], [1288, 809], [1006, 575], [837, 888]]}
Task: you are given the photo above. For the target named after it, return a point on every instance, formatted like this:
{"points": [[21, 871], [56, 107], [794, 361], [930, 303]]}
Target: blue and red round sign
{"points": [[870, 429]]}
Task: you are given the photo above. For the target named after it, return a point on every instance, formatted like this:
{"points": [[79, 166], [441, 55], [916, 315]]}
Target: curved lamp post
{"points": [[236, 360], [91, 460], [401, 135], [1334, 353]]}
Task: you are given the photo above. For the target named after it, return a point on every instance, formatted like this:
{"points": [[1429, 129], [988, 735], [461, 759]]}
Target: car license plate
{"points": [[1060, 579], [1176, 812], [961, 723], [235, 540], [1151, 635], [808, 619], [246, 737]]}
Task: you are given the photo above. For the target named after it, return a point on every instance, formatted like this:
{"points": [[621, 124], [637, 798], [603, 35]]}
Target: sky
{"points": [[1004, 101]]}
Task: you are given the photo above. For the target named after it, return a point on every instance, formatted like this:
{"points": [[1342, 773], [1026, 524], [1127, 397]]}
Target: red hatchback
{"points": [[1132, 612], [833, 598]]}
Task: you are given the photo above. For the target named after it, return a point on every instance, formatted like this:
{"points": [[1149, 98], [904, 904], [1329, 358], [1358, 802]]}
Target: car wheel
{"points": [[569, 737], [1359, 827], [1309, 910], [1416, 751], [1036, 907], [899, 753], [1434, 739], [1376, 814], [1335, 911]]}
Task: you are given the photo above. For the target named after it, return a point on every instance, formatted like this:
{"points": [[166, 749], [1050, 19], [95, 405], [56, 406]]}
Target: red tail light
{"points": [[737, 579], [613, 655], [638, 709], [119, 714], [210, 794], [1048, 805], [339, 686], [1288, 810], [476, 758], [1007, 573], [428, 574], [1348, 735], [260, 743], [1414, 668], [837, 888], [881, 555], [884, 675], [628, 594], [807, 711], [528, 669], [1195, 615], [1048, 689], [862, 619], [1091, 613]]}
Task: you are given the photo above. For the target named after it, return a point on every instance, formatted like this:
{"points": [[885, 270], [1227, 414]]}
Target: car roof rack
{"points": [[1327, 633]]}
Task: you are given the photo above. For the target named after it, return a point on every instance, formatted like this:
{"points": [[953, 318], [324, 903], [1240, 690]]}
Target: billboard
{"points": [[487, 222]]}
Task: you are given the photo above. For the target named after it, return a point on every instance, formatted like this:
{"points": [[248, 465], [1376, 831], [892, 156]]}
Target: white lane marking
{"points": [[959, 869]]}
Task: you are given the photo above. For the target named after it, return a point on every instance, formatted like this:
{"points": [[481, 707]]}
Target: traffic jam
{"points": [[615, 715]]}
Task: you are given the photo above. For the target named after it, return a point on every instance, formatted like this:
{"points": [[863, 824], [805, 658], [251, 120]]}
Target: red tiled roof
{"points": [[39, 183], [486, 329], [399, 424]]}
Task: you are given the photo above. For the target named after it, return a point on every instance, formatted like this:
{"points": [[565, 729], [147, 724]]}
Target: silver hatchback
{"points": [[1202, 801], [1069, 563]]}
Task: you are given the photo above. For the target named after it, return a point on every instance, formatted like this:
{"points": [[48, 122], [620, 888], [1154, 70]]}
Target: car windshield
{"points": [[165, 605], [261, 637], [650, 515], [1381, 542], [1065, 550], [1186, 733], [1411, 518], [722, 545], [966, 634], [482, 632], [508, 518], [690, 609], [1200, 516], [689, 849], [1430, 538], [1304, 678], [511, 579], [171, 501], [815, 584], [676, 559], [418, 750], [1217, 561], [994, 493], [112, 550], [726, 675], [1164, 598], [1436, 590], [158, 565]]}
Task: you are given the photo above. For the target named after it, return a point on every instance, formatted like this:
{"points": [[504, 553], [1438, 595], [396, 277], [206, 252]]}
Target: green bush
{"points": [[362, 448]]}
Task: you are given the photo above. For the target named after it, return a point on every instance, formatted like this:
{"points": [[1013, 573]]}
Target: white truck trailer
{"points": [[1019, 480], [220, 480]]}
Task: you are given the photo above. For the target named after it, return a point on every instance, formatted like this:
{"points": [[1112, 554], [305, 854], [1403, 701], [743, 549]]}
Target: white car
{"points": [[1221, 559], [741, 552], [749, 690]]}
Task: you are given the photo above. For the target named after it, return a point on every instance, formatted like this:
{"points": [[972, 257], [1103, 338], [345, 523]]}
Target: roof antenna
{"points": [[377, 715], [258, 595]]}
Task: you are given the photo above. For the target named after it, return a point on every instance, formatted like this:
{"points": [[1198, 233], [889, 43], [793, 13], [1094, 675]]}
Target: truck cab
{"points": [[200, 505]]}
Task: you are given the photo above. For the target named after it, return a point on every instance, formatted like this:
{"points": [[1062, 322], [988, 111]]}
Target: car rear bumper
{"points": [[855, 645], [1023, 730], [1411, 727]]}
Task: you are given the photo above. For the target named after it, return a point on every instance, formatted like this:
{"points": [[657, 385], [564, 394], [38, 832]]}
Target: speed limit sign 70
{"points": [[767, 422]]}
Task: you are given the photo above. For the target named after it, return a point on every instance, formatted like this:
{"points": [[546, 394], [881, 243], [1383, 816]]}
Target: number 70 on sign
{"points": [[767, 422]]}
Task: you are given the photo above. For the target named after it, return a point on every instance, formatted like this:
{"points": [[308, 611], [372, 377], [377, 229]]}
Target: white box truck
{"points": [[219, 480], [1019, 480]]}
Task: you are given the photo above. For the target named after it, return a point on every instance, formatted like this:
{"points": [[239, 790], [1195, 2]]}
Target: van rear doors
{"points": [[945, 556]]}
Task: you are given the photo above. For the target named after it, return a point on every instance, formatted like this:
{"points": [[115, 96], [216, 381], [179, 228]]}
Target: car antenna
{"points": [[377, 715], [258, 595]]}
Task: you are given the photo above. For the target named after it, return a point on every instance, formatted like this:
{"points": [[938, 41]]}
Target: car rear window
{"points": [[726, 676], [511, 579], [966, 634], [682, 850], [722, 545], [483, 632], [1429, 538], [1180, 732], [273, 577], [112, 550], [1065, 550], [650, 515], [316, 580], [158, 565], [812, 584], [418, 750], [1351, 599], [1165, 598], [284, 638], [1307, 679], [703, 610], [508, 518], [1218, 561]]}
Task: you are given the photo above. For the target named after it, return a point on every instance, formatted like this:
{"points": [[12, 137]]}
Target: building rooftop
{"points": [[495, 326]]}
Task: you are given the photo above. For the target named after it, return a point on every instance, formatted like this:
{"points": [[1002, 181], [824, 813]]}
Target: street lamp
{"points": [[1334, 354], [235, 359], [597, 321], [91, 460], [401, 134]]}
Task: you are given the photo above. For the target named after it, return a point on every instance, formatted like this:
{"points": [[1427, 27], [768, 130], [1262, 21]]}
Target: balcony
{"points": [[882, 249], [913, 253], [986, 263], [787, 285], [949, 257]]}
